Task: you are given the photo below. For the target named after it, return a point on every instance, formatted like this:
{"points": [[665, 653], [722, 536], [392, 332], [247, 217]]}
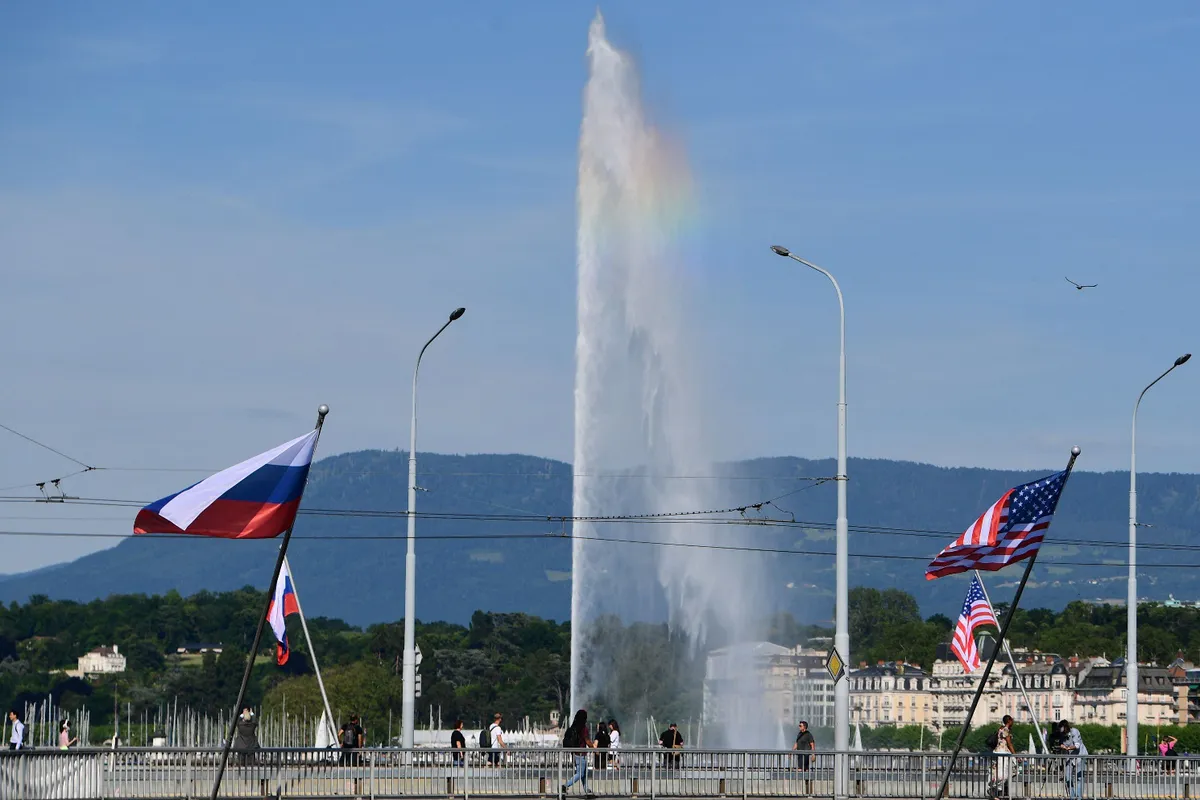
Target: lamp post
{"points": [[841, 636], [1131, 659], [410, 560]]}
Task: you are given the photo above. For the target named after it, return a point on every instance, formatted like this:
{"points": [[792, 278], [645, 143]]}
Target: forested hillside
{"points": [[516, 664], [489, 538]]}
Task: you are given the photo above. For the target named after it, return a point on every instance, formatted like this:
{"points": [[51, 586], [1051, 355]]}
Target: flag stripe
{"points": [[186, 506], [270, 484], [1010, 530], [255, 499], [227, 519], [976, 611], [283, 603]]}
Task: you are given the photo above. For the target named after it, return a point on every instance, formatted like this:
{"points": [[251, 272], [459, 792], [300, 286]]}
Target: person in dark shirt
{"points": [[805, 743], [458, 743], [603, 740], [351, 738], [672, 739], [245, 744]]}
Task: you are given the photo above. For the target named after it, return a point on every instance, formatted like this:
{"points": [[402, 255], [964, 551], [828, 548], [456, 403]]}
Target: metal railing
{"points": [[153, 773]]}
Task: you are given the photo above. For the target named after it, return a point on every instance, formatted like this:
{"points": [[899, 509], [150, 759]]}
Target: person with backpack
{"points": [[1001, 745], [17, 740], [351, 739], [491, 739], [578, 739], [805, 743]]}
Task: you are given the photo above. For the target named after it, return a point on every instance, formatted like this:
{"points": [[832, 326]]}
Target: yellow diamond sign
{"points": [[834, 665]]}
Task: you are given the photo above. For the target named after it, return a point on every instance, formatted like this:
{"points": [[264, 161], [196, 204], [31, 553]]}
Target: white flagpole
{"points": [[312, 653], [1016, 672]]}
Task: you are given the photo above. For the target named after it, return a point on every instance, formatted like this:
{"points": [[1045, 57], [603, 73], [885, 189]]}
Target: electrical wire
{"points": [[570, 537], [45, 446], [708, 517]]}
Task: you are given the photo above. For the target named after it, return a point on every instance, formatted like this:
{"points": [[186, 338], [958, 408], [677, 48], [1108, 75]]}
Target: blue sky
{"points": [[214, 217]]}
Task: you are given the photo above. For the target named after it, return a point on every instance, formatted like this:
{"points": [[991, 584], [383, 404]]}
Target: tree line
{"points": [[886, 625], [514, 664]]}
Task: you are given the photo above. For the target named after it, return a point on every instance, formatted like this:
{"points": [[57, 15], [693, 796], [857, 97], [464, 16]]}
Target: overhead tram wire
{"points": [[86, 467], [706, 517], [688, 517], [565, 537]]}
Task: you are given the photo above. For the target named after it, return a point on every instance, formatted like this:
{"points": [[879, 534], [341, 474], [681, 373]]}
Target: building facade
{"points": [[891, 693], [1100, 695], [1087, 691], [1049, 683], [749, 681], [102, 660]]}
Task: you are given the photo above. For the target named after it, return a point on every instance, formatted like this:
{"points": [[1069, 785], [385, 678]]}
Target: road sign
{"points": [[417, 655], [834, 666]]}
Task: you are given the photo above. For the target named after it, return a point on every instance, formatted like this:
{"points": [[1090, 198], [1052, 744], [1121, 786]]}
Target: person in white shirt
{"points": [[18, 731], [498, 743], [1073, 744], [1002, 766], [614, 735]]}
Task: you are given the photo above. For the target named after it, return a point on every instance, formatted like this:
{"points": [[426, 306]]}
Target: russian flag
{"points": [[256, 499], [283, 604]]}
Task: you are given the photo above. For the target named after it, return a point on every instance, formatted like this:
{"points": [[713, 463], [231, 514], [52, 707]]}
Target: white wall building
{"points": [[745, 682], [102, 660]]}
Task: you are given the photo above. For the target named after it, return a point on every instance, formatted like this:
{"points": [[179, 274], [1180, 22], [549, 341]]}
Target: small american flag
{"points": [[976, 611], [1008, 532]]}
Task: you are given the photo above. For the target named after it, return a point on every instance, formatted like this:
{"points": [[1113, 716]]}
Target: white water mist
{"points": [[636, 402]]}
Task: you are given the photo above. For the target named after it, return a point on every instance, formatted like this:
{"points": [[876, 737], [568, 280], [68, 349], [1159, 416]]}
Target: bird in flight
{"points": [[1082, 285]]}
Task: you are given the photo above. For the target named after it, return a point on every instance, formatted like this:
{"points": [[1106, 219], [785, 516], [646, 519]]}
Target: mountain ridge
{"points": [[489, 539]]}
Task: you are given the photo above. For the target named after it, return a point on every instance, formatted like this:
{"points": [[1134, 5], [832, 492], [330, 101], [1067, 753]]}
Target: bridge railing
{"points": [[175, 774]]}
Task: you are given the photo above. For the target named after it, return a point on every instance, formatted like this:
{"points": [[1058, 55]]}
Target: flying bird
{"points": [[1082, 285]]}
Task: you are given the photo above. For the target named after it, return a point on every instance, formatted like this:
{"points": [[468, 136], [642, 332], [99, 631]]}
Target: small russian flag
{"points": [[256, 499], [283, 604]]}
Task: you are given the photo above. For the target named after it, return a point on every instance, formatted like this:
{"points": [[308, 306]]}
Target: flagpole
{"points": [[322, 410], [1016, 672], [312, 651], [1008, 618]]}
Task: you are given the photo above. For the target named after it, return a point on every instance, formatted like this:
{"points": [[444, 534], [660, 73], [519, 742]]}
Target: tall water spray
{"points": [[636, 403]]}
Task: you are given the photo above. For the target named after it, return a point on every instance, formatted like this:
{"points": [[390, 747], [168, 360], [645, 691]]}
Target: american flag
{"points": [[1008, 532], [976, 611]]}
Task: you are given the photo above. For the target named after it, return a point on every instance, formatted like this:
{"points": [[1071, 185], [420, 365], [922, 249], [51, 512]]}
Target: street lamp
{"points": [[410, 560], [841, 636], [1131, 658]]}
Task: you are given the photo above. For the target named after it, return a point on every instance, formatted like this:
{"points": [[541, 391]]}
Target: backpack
{"points": [[571, 740], [992, 741], [350, 736], [485, 738]]}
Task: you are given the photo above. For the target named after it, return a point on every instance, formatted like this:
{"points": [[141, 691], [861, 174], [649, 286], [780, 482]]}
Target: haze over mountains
{"points": [[488, 544]]}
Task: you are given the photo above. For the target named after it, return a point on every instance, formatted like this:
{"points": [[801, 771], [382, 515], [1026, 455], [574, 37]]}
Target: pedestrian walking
{"points": [[805, 743], [64, 735], [577, 740], [497, 743], [458, 743], [17, 740], [1002, 749]]}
